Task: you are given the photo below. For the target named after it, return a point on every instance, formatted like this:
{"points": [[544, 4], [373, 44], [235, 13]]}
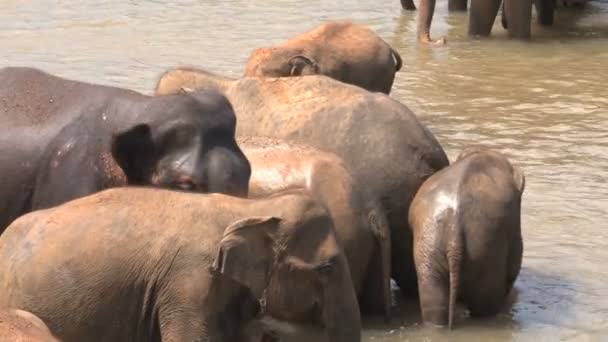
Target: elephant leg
{"points": [[457, 5], [377, 288], [434, 297], [545, 10], [408, 5], [516, 249], [519, 17], [481, 16], [425, 17]]}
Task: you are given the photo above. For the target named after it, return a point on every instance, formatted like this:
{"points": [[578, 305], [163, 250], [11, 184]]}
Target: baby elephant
{"points": [[360, 227], [143, 264], [22, 326], [467, 235], [342, 50]]}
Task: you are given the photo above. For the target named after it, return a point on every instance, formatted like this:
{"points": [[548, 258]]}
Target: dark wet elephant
{"points": [[62, 139], [163, 265], [382, 143], [343, 50], [467, 235]]}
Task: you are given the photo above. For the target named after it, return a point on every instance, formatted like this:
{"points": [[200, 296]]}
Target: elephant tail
{"points": [[454, 256], [398, 61]]}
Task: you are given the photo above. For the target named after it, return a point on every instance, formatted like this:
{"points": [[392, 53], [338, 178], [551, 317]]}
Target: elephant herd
{"points": [[217, 206]]}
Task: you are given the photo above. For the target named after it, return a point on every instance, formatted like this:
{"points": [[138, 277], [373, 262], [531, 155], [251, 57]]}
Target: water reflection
{"points": [[543, 103]]}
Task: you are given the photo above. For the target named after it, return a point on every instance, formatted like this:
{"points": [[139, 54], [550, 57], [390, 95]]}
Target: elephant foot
{"points": [[427, 40], [408, 5]]}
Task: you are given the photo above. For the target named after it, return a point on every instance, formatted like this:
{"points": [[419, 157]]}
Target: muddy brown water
{"points": [[544, 104]]}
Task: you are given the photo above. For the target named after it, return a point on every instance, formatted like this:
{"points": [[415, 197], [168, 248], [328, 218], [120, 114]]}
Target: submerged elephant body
{"points": [[22, 326], [63, 139], [342, 50], [467, 235], [382, 143], [278, 166], [141, 272]]}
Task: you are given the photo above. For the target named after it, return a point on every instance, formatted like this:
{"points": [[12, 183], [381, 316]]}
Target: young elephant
{"points": [[467, 235], [364, 235], [342, 50], [162, 265], [22, 326]]}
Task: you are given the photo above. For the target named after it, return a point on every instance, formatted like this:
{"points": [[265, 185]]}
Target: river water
{"points": [[543, 103]]}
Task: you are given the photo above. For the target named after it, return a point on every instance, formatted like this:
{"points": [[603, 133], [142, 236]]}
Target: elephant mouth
{"points": [[181, 182]]}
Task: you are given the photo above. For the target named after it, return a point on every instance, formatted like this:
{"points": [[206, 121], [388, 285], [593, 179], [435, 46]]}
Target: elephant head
{"points": [[185, 141], [297, 268], [280, 62], [519, 179]]}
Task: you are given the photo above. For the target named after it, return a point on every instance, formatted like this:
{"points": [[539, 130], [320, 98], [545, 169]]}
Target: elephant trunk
{"points": [[341, 316], [228, 171]]}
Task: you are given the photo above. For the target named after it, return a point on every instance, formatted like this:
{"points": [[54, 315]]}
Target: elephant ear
{"points": [[246, 252], [134, 152], [302, 65]]}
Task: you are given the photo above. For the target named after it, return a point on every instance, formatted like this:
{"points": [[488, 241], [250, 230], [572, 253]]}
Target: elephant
{"points": [[62, 139], [278, 166], [466, 221], [382, 143], [343, 50], [22, 326], [170, 265]]}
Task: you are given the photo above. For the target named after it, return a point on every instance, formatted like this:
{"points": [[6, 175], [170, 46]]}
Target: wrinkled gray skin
{"points": [[22, 326], [62, 139], [278, 166], [162, 265], [345, 51], [467, 235], [382, 143]]}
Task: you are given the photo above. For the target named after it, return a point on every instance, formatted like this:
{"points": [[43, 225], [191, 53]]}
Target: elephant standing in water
{"points": [[382, 143], [165, 265], [342, 50], [365, 237], [467, 235], [62, 139]]}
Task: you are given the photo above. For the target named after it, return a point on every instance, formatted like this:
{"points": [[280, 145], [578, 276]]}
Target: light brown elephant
{"points": [[468, 246], [345, 51], [382, 143], [144, 264], [365, 237], [23, 326]]}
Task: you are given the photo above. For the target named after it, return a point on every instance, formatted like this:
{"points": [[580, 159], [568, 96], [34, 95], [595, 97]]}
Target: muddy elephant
{"points": [[22, 326], [166, 265], [467, 235], [382, 143], [278, 166], [345, 51], [62, 139]]}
